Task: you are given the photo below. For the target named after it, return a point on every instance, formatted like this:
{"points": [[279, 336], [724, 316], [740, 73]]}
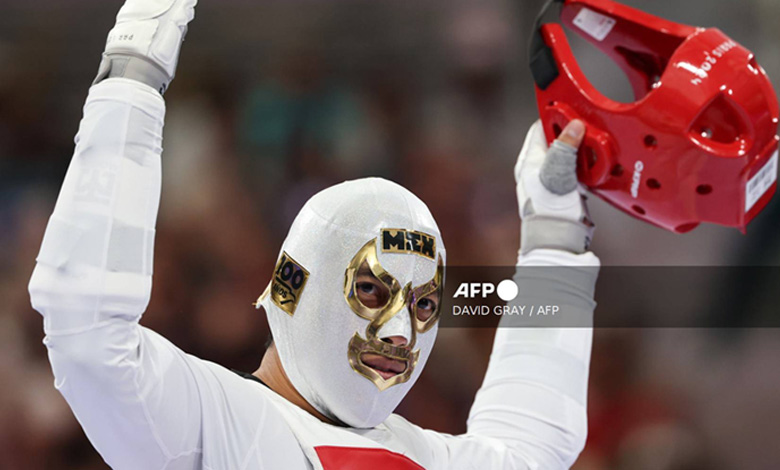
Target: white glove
{"points": [[144, 44], [552, 205]]}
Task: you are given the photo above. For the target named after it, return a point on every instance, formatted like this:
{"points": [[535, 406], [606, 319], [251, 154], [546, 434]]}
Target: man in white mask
{"points": [[354, 301], [353, 305]]}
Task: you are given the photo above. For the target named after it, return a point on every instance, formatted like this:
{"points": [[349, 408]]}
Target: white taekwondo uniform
{"points": [[146, 405]]}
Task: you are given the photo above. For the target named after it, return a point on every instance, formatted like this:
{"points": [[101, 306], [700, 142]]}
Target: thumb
{"points": [[573, 133]]}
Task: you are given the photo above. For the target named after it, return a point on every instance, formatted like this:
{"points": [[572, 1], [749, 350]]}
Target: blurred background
{"points": [[275, 100]]}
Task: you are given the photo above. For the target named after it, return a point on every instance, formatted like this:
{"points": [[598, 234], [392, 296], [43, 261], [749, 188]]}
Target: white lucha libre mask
{"points": [[320, 327]]}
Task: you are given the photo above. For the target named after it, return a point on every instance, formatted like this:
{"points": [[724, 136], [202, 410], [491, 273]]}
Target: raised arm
{"points": [[533, 399], [530, 413], [130, 389]]}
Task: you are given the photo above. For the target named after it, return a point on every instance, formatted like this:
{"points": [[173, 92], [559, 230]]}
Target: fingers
{"points": [[559, 171], [534, 149], [557, 163], [573, 134], [536, 137]]}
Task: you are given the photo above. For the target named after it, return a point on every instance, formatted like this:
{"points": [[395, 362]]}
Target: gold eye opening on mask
{"points": [[425, 301], [368, 288]]}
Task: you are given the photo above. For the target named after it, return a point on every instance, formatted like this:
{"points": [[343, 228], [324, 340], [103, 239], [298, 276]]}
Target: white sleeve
{"points": [[533, 399], [530, 413], [132, 391]]}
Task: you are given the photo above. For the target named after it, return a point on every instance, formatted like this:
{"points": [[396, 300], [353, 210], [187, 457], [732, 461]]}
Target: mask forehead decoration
{"points": [[409, 241], [400, 301], [321, 329]]}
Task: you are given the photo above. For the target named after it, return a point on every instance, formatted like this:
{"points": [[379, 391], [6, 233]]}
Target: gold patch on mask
{"points": [[409, 241], [288, 283]]}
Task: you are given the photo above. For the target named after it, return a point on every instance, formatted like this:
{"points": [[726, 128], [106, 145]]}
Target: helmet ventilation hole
{"points": [[651, 142], [557, 130], [639, 210], [685, 228], [704, 189], [591, 157], [653, 183], [617, 171]]}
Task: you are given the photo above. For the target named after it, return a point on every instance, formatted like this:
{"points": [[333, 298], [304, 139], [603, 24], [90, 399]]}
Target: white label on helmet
{"points": [[636, 180], [761, 182], [595, 24]]}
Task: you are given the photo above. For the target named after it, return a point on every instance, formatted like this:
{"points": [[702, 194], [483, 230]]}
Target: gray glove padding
{"points": [[552, 208], [134, 68], [559, 171]]}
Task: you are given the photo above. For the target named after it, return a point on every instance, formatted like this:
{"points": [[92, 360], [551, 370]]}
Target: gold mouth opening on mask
{"points": [[386, 366], [379, 355]]}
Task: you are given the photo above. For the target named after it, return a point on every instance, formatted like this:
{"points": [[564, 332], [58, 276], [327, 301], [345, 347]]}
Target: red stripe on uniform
{"points": [[359, 458]]}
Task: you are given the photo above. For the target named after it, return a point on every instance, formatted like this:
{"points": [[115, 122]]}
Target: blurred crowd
{"points": [[276, 100]]}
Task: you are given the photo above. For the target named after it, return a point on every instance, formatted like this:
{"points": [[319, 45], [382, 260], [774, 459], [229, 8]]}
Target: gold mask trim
{"points": [[287, 285], [422, 291], [398, 303], [358, 346], [367, 255]]}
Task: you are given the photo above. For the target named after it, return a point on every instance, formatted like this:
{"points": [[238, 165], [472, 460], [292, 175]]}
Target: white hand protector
{"points": [[144, 44], [324, 334], [552, 205]]}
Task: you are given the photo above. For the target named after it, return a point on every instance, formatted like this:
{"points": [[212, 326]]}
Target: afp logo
{"points": [[506, 290], [409, 241], [288, 283]]}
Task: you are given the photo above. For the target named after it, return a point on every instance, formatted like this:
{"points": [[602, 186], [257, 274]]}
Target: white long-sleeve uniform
{"points": [[146, 405]]}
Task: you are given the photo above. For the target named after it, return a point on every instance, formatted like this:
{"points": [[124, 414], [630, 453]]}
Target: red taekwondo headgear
{"points": [[700, 142]]}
